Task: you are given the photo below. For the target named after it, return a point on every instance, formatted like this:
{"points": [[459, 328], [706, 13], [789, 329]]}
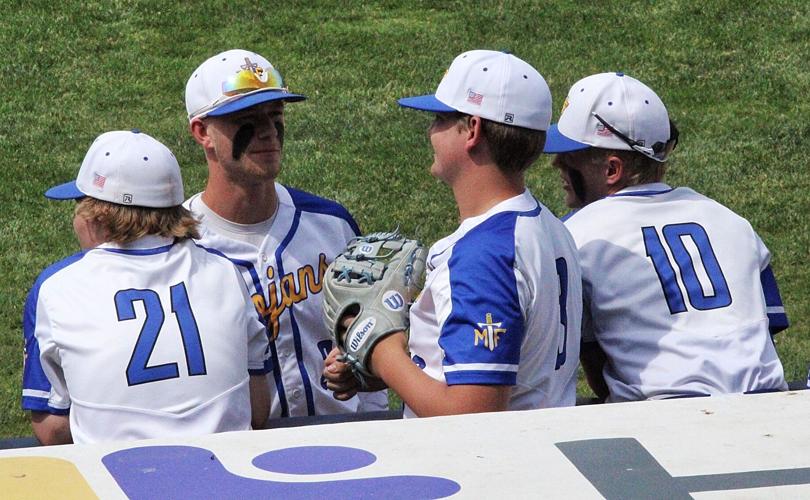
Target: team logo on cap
{"points": [[490, 333], [251, 77], [565, 105], [127, 199]]}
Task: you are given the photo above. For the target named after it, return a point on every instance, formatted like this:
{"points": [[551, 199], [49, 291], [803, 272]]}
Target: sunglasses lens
{"points": [[249, 80]]}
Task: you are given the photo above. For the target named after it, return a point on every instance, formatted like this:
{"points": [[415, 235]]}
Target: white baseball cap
{"points": [[494, 85], [127, 168], [612, 111], [231, 81]]}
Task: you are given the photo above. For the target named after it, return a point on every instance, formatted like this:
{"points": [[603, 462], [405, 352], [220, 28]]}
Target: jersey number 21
{"points": [[674, 235], [138, 371]]}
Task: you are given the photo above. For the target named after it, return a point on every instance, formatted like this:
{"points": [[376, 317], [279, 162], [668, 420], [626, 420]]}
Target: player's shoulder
{"points": [[59, 266], [488, 243], [203, 251], [308, 202]]}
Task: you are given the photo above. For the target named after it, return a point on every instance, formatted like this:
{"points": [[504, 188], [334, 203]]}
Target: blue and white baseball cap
{"points": [[494, 85], [612, 111], [231, 81], [126, 168]]}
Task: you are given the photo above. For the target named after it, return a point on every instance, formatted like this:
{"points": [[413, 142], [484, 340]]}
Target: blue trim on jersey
{"points": [[481, 377], [777, 321], [640, 193], [299, 355], [269, 364], [308, 202], [484, 291], [247, 265], [569, 215], [139, 251], [34, 377], [276, 370], [257, 284]]}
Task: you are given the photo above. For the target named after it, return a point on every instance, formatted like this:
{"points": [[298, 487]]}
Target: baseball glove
{"points": [[375, 279]]}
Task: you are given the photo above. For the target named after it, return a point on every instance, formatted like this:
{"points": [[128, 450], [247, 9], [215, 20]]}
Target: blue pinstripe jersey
{"points": [[679, 293], [502, 306], [288, 268]]}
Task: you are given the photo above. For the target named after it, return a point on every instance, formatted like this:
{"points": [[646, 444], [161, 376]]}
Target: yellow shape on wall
{"points": [[42, 477]]}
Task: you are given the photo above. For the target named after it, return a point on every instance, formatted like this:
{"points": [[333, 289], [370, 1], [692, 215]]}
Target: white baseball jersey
{"points": [[150, 339], [679, 294], [502, 305], [288, 269]]}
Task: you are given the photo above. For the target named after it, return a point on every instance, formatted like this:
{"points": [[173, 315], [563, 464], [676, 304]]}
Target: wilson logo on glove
{"points": [[358, 336], [374, 281], [393, 301]]}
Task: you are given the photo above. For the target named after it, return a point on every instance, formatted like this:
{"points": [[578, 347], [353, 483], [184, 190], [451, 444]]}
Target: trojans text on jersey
{"points": [[285, 291]]}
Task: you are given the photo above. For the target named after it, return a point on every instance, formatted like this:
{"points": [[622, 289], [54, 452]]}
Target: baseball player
{"points": [[142, 334], [497, 325], [680, 299], [235, 102]]}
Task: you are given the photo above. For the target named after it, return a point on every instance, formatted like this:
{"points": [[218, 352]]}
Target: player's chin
{"points": [[265, 168]]}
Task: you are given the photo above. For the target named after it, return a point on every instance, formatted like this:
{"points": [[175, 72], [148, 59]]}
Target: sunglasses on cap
{"points": [[658, 152], [249, 80]]}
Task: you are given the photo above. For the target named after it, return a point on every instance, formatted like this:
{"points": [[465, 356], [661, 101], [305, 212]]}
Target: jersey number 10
{"points": [[674, 237], [138, 371]]}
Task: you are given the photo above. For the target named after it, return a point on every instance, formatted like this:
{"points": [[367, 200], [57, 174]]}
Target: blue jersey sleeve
{"points": [[777, 318], [36, 387], [483, 333]]}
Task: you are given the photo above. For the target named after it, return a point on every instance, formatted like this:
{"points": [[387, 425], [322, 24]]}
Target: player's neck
{"points": [[243, 204], [483, 188]]}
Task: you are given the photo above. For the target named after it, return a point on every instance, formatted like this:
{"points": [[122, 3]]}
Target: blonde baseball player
{"points": [[143, 334], [235, 102], [680, 299]]}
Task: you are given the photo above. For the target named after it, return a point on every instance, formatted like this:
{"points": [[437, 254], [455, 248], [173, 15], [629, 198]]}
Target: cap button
{"points": [[136, 131], [619, 73]]}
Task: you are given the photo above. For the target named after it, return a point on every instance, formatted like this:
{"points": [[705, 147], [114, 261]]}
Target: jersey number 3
{"points": [[138, 371], [674, 235], [562, 274]]}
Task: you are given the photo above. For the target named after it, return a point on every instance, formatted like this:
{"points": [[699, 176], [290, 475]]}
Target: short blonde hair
{"points": [[124, 224]]}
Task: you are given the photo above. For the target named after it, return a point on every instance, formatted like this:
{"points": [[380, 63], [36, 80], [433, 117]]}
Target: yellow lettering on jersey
{"points": [[489, 334], [288, 290]]}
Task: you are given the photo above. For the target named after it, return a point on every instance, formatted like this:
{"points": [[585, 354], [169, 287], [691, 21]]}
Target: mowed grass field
{"points": [[734, 76]]}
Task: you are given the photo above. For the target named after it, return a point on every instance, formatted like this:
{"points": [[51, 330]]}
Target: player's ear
{"points": [[474, 131], [199, 131], [614, 170]]}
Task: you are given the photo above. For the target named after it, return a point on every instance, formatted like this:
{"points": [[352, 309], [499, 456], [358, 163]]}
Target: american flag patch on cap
{"points": [[99, 180], [474, 97]]}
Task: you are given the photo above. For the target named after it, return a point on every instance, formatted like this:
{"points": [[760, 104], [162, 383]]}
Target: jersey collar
{"points": [[148, 242], [643, 190]]}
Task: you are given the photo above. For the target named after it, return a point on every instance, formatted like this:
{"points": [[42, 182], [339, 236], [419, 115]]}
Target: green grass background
{"points": [[733, 74]]}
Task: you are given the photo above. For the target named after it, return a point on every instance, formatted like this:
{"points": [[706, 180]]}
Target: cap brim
{"points": [[66, 191], [425, 103], [556, 142], [254, 99]]}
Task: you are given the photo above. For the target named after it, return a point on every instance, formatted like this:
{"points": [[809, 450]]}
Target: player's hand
{"points": [[339, 377]]}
